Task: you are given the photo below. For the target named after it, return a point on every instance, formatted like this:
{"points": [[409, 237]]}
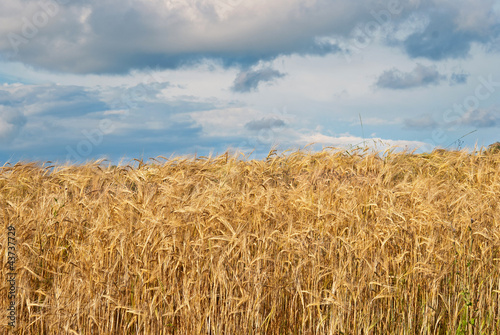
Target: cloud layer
{"points": [[113, 36]]}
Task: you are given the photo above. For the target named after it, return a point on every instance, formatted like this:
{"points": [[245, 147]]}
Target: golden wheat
{"points": [[335, 242]]}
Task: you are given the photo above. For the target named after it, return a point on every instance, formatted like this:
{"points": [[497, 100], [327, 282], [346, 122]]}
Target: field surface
{"points": [[336, 242]]}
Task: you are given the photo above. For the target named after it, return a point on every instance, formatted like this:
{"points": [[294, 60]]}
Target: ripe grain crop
{"points": [[332, 242]]}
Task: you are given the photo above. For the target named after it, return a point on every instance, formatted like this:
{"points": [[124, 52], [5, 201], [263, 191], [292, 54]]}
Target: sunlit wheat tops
{"points": [[336, 242]]}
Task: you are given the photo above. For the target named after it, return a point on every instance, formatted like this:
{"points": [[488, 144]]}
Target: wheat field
{"points": [[332, 242]]}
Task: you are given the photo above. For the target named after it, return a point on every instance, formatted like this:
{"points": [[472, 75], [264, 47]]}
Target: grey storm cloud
{"points": [[420, 76], [113, 36], [248, 81], [265, 123], [452, 28], [439, 40]]}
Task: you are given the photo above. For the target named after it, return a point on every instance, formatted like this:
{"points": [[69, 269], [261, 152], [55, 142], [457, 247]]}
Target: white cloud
{"points": [[226, 121], [349, 141]]}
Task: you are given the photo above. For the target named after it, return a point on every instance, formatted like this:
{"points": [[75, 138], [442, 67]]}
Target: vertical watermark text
{"points": [[11, 275]]}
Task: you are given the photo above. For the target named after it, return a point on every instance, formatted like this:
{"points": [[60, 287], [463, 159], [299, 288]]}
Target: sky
{"points": [[120, 79]]}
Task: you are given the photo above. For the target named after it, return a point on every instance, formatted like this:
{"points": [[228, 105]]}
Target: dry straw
{"points": [[335, 242]]}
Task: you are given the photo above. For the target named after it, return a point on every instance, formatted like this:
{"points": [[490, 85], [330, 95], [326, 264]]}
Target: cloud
{"points": [[12, 121], [62, 114], [135, 96], [374, 121], [350, 140], [52, 100], [482, 118], [420, 76], [458, 78], [111, 36], [452, 28], [265, 123], [248, 81], [425, 121]]}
